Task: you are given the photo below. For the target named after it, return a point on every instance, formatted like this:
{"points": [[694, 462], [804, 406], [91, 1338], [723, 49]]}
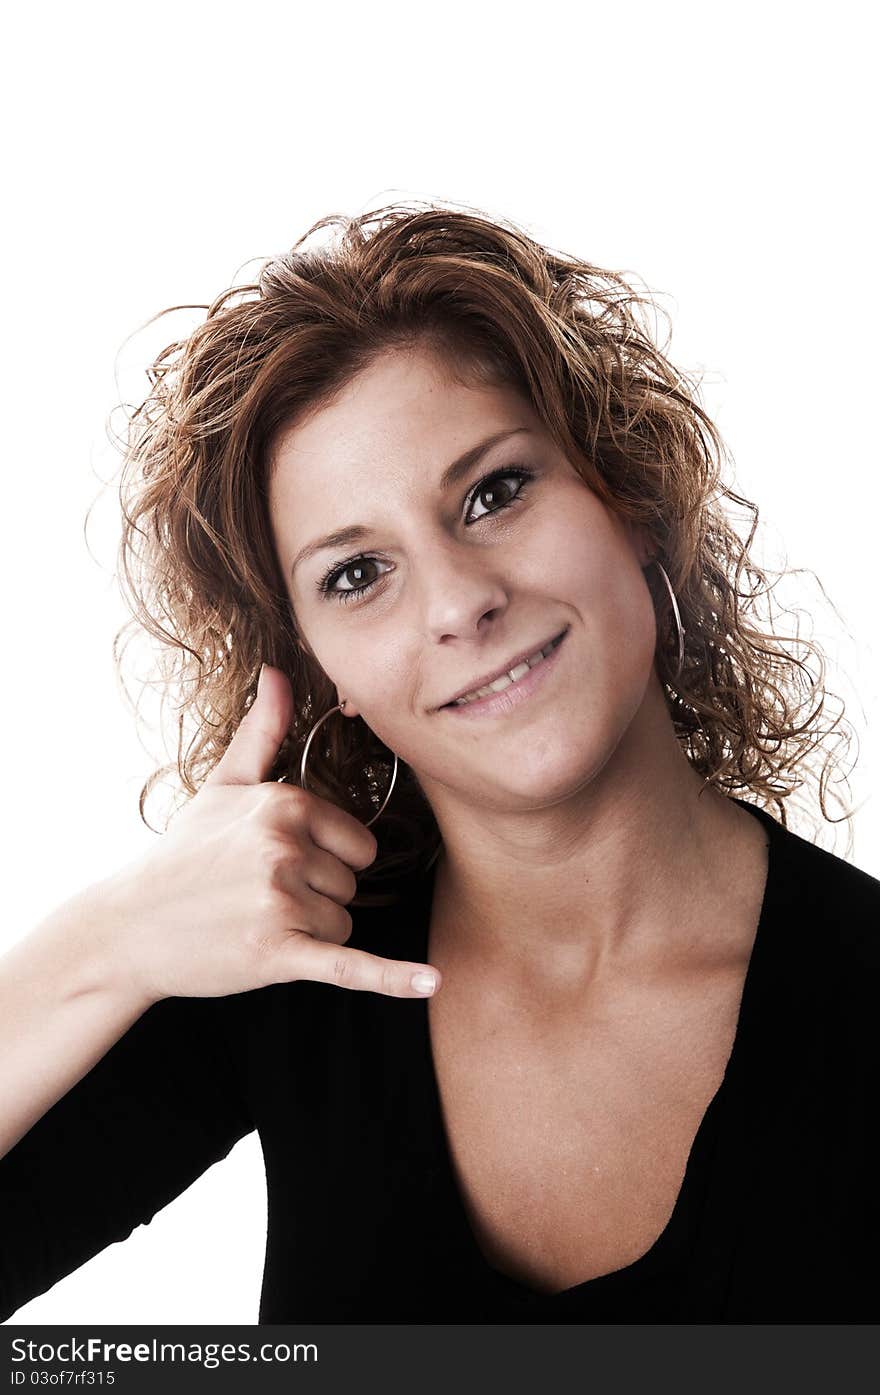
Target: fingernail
{"points": [[423, 983], [260, 678]]}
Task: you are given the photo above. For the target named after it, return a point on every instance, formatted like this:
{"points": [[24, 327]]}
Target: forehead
{"points": [[401, 416]]}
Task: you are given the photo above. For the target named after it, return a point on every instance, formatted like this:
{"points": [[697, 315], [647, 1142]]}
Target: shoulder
{"points": [[835, 900], [822, 949]]}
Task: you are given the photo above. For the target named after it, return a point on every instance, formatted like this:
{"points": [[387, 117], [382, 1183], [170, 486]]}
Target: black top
{"points": [[777, 1216]]}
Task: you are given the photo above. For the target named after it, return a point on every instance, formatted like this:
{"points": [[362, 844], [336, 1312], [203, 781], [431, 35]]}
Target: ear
{"points": [[349, 710], [641, 542]]}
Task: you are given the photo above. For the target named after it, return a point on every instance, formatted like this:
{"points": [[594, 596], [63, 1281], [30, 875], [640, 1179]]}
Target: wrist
{"points": [[90, 935]]}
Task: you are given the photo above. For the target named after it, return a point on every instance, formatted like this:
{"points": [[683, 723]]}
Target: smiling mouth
{"points": [[512, 676]]}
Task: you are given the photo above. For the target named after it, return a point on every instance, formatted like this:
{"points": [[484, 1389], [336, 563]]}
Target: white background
{"points": [[722, 155]]}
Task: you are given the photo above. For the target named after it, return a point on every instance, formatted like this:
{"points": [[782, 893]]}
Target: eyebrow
{"points": [[463, 465]]}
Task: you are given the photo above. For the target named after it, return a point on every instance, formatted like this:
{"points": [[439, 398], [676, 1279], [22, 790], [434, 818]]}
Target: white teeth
{"points": [[511, 676]]}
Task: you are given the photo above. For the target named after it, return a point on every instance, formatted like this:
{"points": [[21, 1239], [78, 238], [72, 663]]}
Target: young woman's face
{"points": [[448, 581]]}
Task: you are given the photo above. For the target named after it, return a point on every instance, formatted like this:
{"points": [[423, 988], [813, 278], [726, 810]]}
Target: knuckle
{"points": [[259, 931], [270, 858], [342, 971], [272, 799], [289, 863], [272, 905], [274, 855], [294, 851], [273, 874], [266, 796], [262, 943], [295, 798]]}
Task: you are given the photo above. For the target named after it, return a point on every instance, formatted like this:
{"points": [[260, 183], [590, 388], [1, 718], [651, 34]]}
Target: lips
{"points": [[512, 664]]}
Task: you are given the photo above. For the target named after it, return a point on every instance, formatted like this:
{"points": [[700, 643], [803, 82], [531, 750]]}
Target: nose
{"points": [[459, 585]]}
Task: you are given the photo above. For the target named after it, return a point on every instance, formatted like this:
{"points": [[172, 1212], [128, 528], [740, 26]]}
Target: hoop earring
{"points": [[675, 611], [302, 769]]}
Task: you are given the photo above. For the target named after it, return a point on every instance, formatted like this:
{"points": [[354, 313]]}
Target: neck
{"points": [[641, 865]]}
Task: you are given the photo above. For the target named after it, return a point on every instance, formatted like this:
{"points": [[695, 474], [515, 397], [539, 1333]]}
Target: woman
{"points": [[439, 481]]}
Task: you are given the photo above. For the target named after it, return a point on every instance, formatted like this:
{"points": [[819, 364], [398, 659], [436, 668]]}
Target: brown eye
{"points": [[495, 489], [490, 493], [356, 571]]}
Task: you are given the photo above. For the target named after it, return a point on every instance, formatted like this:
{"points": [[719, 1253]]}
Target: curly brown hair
{"points": [[197, 565]]}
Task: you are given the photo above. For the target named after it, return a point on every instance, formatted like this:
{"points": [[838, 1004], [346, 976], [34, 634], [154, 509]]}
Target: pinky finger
{"points": [[357, 969]]}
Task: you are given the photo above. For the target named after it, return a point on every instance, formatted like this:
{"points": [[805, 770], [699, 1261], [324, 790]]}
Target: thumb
{"points": [[251, 753]]}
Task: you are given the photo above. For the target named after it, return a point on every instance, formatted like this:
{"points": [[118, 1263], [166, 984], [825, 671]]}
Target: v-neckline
{"points": [[667, 1241]]}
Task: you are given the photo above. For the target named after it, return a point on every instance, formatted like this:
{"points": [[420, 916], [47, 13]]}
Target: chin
{"points": [[539, 780]]}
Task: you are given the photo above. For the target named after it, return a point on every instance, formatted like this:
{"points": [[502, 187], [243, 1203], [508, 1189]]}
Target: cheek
{"points": [[381, 680], [580, 552], [626, 637], [346, 659], [572, 535], [589, 562]]}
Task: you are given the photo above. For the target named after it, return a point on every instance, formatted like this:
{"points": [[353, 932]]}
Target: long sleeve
{"points": [[159, 1108]]}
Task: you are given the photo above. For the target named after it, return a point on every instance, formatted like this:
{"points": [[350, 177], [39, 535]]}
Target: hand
{"points": [[249, 884]]}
